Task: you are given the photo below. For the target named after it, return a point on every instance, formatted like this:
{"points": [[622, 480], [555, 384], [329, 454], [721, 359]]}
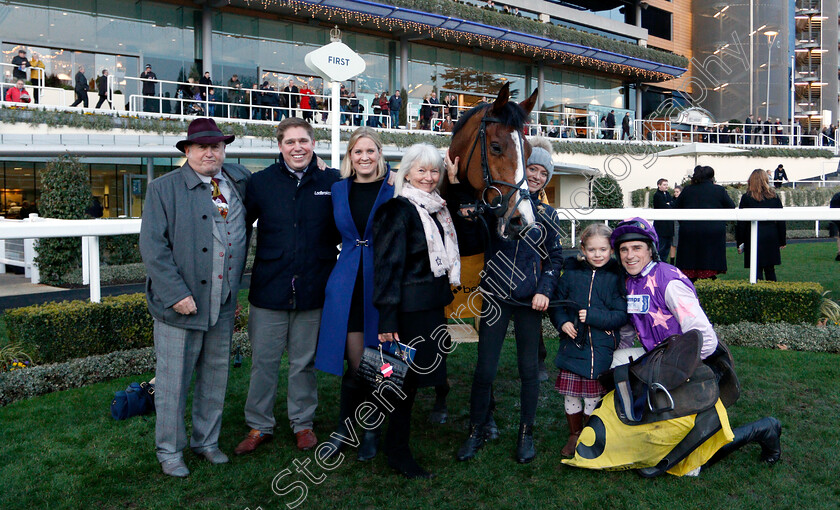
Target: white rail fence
{"points": [[91, 230]]}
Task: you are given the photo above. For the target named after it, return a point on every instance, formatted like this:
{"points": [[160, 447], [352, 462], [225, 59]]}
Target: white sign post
{"points": [[335, 63]]}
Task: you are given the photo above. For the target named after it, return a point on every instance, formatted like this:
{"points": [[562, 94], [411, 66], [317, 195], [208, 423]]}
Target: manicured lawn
{"points": [[801, 262], [64, 451]]}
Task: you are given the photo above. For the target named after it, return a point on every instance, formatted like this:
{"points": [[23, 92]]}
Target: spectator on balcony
{"points": [[149, 78], [395, 105], [748, 125], [270, 99], [766, 140], [357, 109], [625, 126], [453, 107], [81, 88], [610, 122], [211, 98], [384, 109], [37, 70], [21, 63], [235, 96], [102, 89], [376, 111], [255, 98], [447, 124], [185, 93], [292, 98], [206, 82], [425, 113], [306, 101], [17, 94], [436, 106]]}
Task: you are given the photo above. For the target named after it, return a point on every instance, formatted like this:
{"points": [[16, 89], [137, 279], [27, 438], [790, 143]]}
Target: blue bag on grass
{"points": [[136, 400]]}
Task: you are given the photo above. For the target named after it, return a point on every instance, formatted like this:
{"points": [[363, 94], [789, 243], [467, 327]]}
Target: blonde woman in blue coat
{"points": [[350, 321]]}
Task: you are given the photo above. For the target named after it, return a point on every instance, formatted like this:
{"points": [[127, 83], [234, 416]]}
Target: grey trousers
{"points": [[271, 333], [180, 352]]}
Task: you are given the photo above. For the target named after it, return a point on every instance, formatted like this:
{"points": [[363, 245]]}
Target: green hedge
{"points": [[56, 332], [797, 337], [731, 301]]}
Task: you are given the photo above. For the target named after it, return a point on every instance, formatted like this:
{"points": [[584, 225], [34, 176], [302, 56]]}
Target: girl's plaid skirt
{"points": [[576, 386]]}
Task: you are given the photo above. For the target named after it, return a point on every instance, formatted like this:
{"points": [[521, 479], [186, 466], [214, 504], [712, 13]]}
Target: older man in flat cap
{"points": [[193, 240]]}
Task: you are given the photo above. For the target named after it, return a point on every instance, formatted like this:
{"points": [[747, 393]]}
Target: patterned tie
{"points": [[218, 198]]}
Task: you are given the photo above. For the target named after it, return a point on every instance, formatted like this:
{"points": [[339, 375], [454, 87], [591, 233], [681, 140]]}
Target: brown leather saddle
{"points": [[671, 381]]}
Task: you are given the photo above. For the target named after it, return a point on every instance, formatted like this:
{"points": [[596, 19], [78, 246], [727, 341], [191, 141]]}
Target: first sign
{"points": [[335, 62]]}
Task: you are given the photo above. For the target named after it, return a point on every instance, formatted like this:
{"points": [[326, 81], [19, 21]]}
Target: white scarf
{"points": [[443, 253]]}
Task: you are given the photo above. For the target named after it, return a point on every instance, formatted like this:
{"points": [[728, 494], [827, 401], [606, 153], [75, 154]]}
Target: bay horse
{"points": [[493, 154]]}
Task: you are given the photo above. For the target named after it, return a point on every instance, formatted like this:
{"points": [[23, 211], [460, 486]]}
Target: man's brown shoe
{"points": [[250, 443], [306, 440]]}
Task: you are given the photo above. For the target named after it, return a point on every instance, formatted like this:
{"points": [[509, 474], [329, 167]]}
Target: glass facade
{"points": [[123, 36]]}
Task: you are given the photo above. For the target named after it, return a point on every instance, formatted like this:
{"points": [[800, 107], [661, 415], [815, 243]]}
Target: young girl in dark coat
{"points": [[589, 330]]}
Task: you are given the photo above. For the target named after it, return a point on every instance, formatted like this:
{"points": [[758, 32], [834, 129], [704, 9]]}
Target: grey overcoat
{"points": [[176, 243]]}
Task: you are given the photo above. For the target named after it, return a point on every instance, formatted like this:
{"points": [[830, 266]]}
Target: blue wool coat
{"points": [[333, 335]]}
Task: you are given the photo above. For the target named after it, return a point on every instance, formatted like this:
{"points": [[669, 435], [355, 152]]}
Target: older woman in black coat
{"points": [[416, 259], [772, 235], [702, 250]]}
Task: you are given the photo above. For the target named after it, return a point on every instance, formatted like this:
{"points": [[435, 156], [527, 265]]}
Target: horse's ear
{"points": [[529, 103], [502, 98]]}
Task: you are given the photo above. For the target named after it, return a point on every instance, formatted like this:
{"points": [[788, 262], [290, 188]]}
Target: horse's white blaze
{"points": [[524, 206]]}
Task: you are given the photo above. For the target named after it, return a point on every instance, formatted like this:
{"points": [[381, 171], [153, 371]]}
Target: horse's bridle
{"points": [[500, 209]]}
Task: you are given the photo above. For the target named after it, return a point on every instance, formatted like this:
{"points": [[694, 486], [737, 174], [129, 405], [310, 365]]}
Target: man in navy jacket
{"points": [[296, 251]]}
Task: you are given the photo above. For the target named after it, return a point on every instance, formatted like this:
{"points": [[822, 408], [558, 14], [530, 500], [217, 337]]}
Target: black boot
{"points": [[346, 407], [440, 413], [525, 451], [397, 438], [473, 443], [370, 445], [490, 429], [766, 432]]}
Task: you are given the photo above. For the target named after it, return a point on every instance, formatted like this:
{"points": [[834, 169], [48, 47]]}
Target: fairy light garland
{"points": [[347, 17]]}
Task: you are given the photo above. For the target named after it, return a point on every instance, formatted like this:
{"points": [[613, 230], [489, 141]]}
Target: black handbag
{"points": [[378, 366]]}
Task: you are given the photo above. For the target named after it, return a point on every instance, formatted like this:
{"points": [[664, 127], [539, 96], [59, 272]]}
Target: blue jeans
{"points": [[395, 120]]}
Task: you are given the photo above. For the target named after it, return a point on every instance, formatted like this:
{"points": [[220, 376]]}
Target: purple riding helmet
{"points": [[635, 229]]}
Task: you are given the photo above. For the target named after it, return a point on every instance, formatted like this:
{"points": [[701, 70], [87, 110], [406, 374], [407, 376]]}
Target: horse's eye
{"points": [[495, 148]]}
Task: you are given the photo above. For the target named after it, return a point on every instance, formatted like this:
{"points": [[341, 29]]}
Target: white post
{"points": [[753, 251], [574, 233], [2, 255], [817, 228], [93, 256], [335, 117], [85, 260]]}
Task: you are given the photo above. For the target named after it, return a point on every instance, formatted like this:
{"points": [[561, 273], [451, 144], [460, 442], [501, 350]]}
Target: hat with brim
{"points": [[204, 131]]}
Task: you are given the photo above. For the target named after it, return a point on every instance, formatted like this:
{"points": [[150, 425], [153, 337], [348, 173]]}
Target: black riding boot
{"points": [[473, 443], [370, 444], [766, 432], [490, 429], [439, 412], [397, 438], [525, 451], [347, 405]]}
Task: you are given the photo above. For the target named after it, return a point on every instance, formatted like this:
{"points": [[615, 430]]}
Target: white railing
{"points": [[734, 134], [91, 230], [245, 109]]}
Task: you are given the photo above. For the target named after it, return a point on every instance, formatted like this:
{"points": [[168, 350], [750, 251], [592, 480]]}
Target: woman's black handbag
{"points": [[378, 366]]}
